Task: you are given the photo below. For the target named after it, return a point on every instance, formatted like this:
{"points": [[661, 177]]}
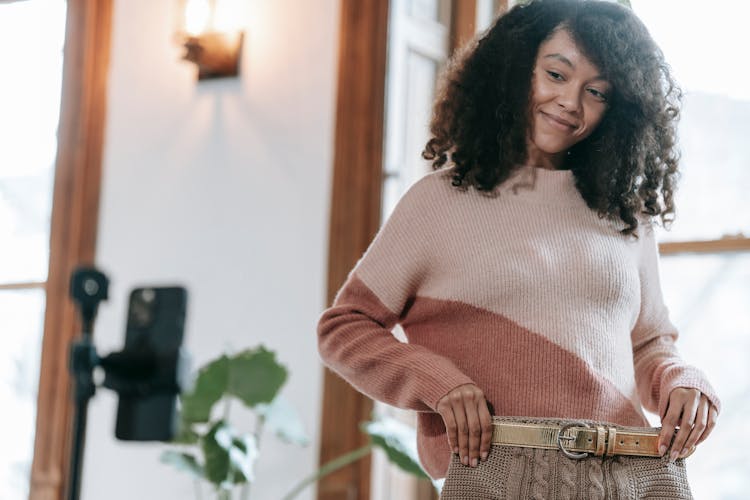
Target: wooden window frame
{"points": [[738, 243], [75, 207], [463, 22]]}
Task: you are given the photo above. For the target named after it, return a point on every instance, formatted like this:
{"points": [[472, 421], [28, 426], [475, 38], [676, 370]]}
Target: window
{"points": [[53, 97], [705, 264], [31, 43]]}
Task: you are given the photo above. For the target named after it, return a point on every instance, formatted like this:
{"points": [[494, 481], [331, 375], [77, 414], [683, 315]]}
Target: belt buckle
{"points": [[560, 438]]}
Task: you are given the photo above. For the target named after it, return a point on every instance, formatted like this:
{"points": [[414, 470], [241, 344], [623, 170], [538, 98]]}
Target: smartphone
{"points": [[155, 329]]}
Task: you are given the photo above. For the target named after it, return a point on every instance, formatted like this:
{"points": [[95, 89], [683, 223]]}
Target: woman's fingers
{"points": [[682, 408], [668, 424], [451, 429], [713, 414], [475, 430], [468, 423], [462, 426], [689, 409], [699, 426]]}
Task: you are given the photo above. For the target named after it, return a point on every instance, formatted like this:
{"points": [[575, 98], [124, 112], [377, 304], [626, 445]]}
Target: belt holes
{"points": [[636, 443], [622, 442], [590, 440]]}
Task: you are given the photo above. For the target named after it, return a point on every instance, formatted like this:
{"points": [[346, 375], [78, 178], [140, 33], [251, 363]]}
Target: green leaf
{"points": [[398, 440], [216, 468], [236, 458], [242, 456], [281, 418], [210, 385], [255, 376], [184, 462]]}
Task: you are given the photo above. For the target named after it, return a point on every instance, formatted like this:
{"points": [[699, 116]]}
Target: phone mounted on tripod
{"points": [[149, 372]]}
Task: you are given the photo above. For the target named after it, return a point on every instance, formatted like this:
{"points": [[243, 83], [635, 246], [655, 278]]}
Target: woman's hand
{"points": [[468, 422], [696, 416]]}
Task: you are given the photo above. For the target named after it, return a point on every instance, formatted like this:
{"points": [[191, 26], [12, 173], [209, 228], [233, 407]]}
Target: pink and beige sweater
{"points": [[527, 294]]}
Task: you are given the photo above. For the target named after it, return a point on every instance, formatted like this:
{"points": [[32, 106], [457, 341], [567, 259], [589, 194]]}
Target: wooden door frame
{"points": [[75, 208]]}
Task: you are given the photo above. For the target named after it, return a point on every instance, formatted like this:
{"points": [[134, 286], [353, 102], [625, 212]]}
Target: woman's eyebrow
{"points": [[565, 60], [561, 58]]}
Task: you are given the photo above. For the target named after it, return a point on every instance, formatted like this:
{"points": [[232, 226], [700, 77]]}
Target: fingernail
{"points": [[484, 455], [455, 450], [474, 462], [673, 456], [662, 450], [465, 460]]}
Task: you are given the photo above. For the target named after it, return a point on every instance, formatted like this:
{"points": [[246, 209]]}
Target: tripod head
{"points": [[88, 287]]}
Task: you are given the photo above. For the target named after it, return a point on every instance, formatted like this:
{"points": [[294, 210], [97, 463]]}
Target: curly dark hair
{"points": [[480, 117]]}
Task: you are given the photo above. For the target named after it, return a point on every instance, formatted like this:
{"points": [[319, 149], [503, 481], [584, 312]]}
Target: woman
{"points": [[524, 270]]}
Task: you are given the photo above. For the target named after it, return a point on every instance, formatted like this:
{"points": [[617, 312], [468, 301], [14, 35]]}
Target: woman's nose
{"points": [[570, 99]]}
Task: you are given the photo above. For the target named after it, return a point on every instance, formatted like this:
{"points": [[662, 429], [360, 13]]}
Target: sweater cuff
{"points": [[688, 377]]}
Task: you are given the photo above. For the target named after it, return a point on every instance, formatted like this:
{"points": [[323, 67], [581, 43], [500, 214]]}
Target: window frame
{"points": [[724, 244], [73, 229]]}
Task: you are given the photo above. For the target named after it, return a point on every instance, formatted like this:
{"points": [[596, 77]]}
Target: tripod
{"points": [[147, 374], [88, 287]]}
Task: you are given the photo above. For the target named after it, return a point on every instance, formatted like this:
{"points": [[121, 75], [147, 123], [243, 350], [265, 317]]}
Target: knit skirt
{"points": [[530, 473]]}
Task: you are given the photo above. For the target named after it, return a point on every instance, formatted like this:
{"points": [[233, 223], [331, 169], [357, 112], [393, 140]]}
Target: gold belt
{"points": [[578, 439]]}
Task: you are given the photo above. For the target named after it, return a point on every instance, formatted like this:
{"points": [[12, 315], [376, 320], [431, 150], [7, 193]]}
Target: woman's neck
{"points": [[541, 159]]}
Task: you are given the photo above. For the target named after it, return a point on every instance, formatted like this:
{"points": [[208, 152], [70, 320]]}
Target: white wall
{"points": [[223, 187]]}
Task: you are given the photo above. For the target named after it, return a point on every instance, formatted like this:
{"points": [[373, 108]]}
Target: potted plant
{"points": [[214, 452]]}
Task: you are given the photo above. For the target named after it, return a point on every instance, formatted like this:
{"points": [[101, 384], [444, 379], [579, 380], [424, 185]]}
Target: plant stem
{"points": [[230, 470], [227, 401], [329, 467], [258, 431]]}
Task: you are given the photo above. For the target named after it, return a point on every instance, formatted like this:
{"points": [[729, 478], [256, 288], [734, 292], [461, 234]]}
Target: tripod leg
{"points": [[76, 455], [83, 359]]}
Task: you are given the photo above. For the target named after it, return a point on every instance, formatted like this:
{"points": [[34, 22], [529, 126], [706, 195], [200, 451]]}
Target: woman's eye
{"points": [[598, 94], [556, 76]]}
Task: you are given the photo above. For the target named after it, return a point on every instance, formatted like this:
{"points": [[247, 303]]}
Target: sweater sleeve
{"points": [[658, 366], [354, 335]]}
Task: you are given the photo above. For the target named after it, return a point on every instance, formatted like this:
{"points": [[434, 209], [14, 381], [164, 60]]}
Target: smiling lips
{"points": [[558, 123]]}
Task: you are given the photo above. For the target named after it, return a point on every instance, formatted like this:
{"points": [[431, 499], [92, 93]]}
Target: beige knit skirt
{"points": [[529, 473]]}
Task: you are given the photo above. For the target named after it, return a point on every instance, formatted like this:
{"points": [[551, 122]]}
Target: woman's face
{"points": [[568, 100]]}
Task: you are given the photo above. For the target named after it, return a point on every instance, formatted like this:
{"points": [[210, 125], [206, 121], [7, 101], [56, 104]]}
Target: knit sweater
{"points": [[524, 292]]}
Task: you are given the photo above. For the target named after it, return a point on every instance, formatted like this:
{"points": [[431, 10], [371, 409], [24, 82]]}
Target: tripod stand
{"points": [[88, 287], [148, 374]]}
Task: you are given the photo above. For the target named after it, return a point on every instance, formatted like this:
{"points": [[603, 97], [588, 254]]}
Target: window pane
{"points": [[705, 46], [21, 324], [424, 8], [708, 297], [31, 42]]}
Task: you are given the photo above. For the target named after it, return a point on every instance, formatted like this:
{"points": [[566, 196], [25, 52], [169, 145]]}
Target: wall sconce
{"points": [[212, 39]]}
